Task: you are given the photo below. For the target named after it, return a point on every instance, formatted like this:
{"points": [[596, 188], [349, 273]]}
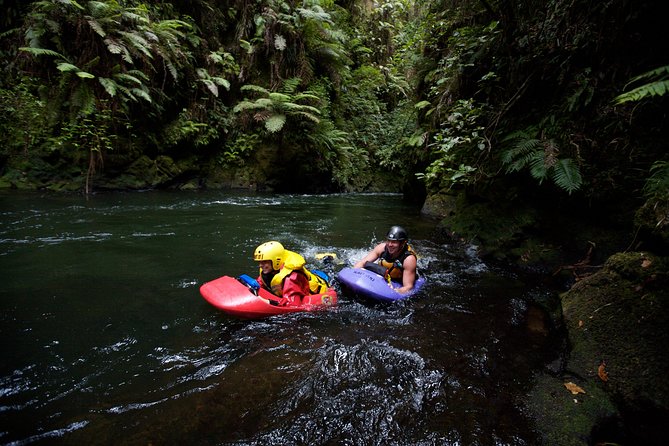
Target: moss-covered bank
{"points": [[615, 315], [617, 320]]}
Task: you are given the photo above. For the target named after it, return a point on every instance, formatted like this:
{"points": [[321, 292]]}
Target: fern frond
{"points": [[41, 52], [142, 94], [138, 42], [279, 97], [95, 26], [315, 13], [260, 104], [98, 8], [652, 74], [222, 82], [567, 175], [309, 116], [658, 182], [658, 88], [275, 123], [290, 85], [306, 95], [422, 104], [138, 74], [67, 67], [109, 85], [83, 99], [137, 15], [85, 75], [113, 46], [537, 163], [128, 77], [309, 109], [417, 139], [211, 86], [521, 150], [173, 25], [254, 88]]}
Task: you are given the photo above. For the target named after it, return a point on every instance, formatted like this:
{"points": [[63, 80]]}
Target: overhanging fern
{"points": [[658, 86], [540, 157]]}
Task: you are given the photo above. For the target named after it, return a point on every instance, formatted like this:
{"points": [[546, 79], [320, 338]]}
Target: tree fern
{"points": [[274, 108]]}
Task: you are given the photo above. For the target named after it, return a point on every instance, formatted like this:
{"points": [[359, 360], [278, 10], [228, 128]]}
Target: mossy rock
{"points": [[619, 317], [499, 231], [441, 205], [562, 418], [652, 219], [617, 321]]}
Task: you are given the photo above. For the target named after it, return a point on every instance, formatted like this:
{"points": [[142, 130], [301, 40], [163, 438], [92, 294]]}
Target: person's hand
{"points": [[400, 289]]}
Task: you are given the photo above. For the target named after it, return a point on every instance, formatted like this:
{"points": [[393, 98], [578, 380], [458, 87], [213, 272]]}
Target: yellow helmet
{"points": [[273, 251]]}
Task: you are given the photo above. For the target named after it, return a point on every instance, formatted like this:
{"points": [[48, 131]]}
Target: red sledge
{"points": [[244, 298]]}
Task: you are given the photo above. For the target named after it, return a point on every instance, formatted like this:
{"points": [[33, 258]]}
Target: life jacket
{"points": [[395, 267], [295, 262]]}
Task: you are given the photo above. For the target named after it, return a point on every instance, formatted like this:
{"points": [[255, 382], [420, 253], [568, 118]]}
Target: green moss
{"points": [[619, 315], [563, 418]]}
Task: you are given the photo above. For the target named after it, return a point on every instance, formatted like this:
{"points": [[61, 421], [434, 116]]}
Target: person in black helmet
{"points": [[396, 256]]}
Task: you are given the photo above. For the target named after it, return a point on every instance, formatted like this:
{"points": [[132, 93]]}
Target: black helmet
{"points": [[397, 233]]}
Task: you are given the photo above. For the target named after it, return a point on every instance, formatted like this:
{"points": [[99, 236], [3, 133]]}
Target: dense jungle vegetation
{"points": [[554, 101]]}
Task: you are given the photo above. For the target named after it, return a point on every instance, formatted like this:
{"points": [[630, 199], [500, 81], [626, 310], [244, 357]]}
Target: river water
{"points": [[106, 339]]}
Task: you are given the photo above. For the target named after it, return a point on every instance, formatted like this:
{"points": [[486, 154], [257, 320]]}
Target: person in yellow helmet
{"points": [[282, 272], [396, 256]]}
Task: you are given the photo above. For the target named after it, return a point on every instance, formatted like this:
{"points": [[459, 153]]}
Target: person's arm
{"points": [[371, 256], [409, 275]]}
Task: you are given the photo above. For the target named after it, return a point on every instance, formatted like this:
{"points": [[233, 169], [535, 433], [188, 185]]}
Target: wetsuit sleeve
{"points": [[295, 287]]}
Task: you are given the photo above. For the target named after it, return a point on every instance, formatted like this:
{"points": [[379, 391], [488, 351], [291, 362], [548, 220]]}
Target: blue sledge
{"points": [[372, 285]]}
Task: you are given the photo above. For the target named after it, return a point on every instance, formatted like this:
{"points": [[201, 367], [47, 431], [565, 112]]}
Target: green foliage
{"points": [[455, 146], [658, 85], [337, 154], [23, 124], [540, 156], [466, 46], [657, 184], [274, 108], [238, 148], [120, 46]]}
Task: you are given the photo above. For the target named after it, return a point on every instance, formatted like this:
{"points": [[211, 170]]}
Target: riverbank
{"points": [[608, 386]]}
